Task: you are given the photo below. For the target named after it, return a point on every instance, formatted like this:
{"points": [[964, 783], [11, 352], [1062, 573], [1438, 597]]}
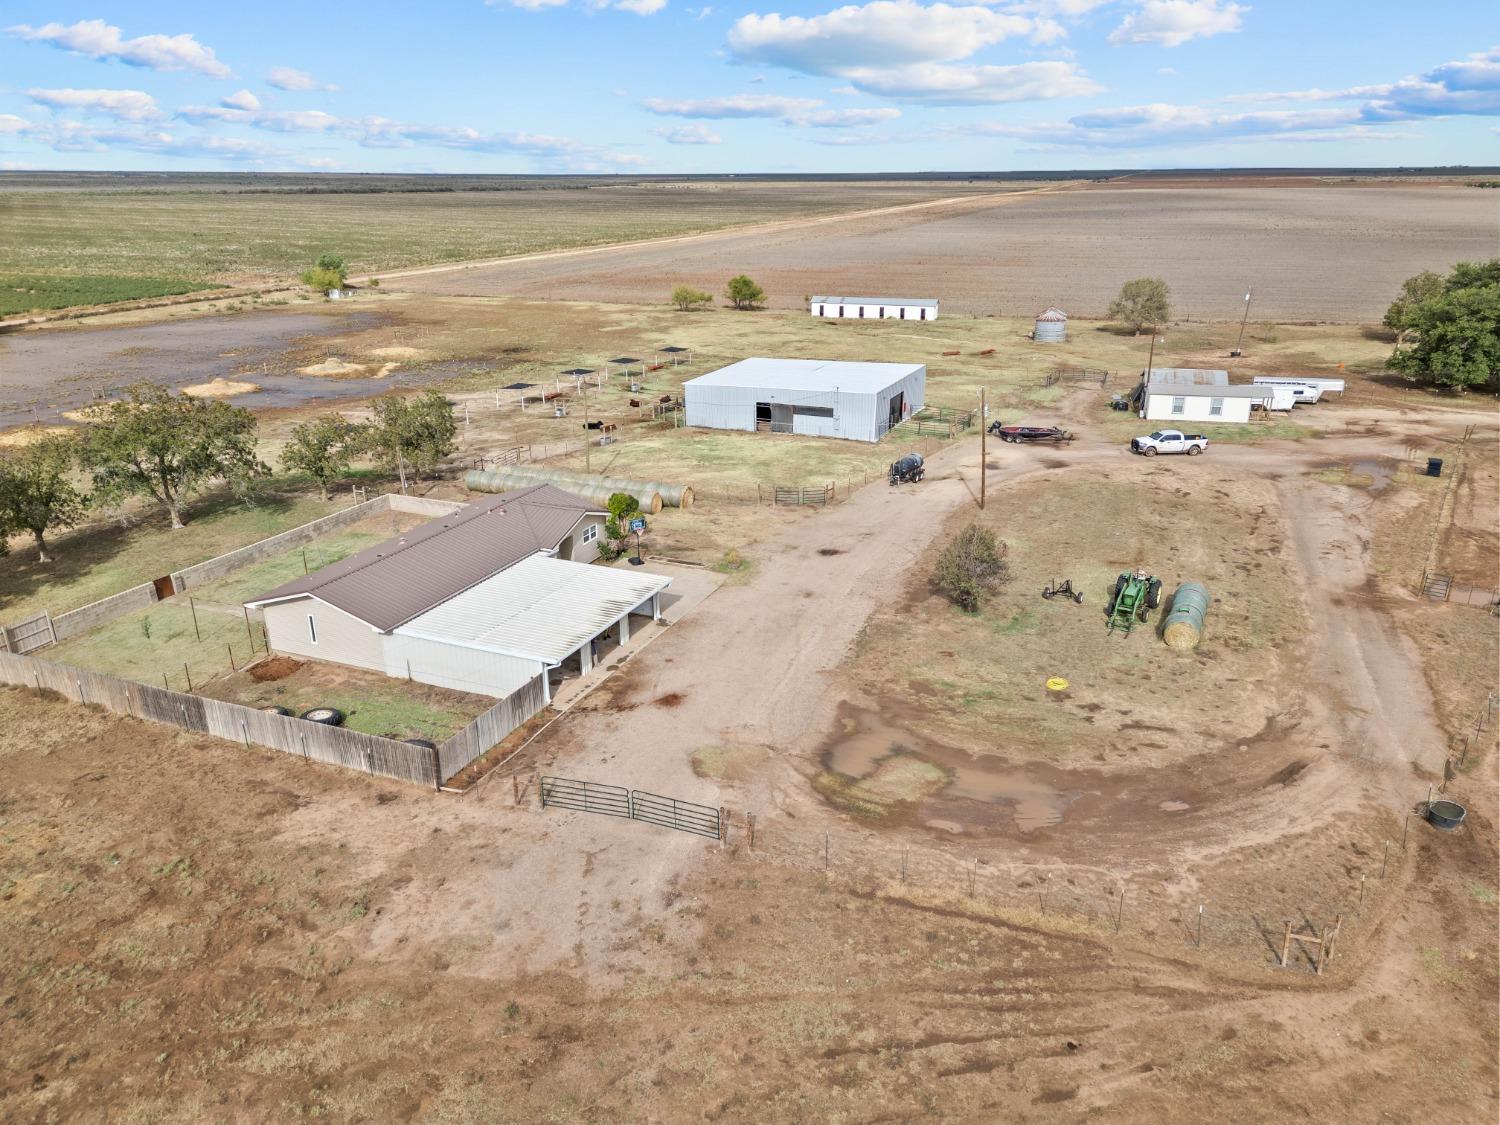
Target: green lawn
{"points": [[21, 293], [104, 558]]}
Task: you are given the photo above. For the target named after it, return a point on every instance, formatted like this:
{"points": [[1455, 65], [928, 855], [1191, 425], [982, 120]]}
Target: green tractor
{"points": [[1134, 595]]}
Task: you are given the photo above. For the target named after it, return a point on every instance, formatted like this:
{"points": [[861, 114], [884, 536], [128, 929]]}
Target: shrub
{"points": [[743, 293], [970, 567], [685, 297], [621, 507], [1142, 303]]}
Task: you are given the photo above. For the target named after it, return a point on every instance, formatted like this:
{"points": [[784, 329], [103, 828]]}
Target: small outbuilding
{"points": [[1186, 394], [821, 398], [874, 308], [1051, 326]]}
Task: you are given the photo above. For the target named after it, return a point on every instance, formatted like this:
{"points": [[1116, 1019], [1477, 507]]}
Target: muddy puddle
{"points": [[1379, 473], [869, 743], [45, 372]]}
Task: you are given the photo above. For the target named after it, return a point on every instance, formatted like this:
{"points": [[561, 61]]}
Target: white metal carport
{"points": [[499, 634]]}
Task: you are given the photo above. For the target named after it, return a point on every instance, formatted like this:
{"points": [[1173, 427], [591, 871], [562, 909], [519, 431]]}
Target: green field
{"points": [[189, 230], [27, 292]]}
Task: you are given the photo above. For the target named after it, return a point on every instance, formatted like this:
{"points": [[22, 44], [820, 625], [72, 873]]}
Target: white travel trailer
{"points": [[1327, 386], [1306, 390], [1283, 396]]}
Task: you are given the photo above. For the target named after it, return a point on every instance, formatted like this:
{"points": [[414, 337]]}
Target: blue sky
{"points": [[757, 85]]}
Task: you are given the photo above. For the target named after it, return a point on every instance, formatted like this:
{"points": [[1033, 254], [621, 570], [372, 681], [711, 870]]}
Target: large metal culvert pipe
{"points": [[672, 495], [505, 480], [1183, 625]]}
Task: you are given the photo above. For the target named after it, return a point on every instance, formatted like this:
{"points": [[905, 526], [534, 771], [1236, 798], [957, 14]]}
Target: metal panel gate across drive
{"points": [[614, 800]]}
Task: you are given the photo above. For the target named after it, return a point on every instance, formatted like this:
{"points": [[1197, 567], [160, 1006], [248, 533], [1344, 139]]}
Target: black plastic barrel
{"points": [[1434, 466], [1446, 815]]}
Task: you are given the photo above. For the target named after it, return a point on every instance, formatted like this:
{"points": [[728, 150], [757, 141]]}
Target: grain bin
{"points": [[506, 480], [1183, 625], [1051, 326]]}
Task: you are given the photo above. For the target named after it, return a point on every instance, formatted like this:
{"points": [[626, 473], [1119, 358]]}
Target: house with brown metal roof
{"points": [[408, 606]]}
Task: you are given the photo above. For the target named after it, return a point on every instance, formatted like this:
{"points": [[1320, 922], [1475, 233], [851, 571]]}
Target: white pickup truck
{"points": [[1169, 441]]}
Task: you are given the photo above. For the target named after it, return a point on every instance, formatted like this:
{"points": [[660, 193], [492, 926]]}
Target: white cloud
{"points": [[736, 105], [244, 99], [290, 78], [10, 123], [122, 105], [1160, 126], [640, 7], [1167, 71], [946, 84], [276, 121], [878, 34], [99, 40], [1466, 87], [689, 135], [907, 51], [806, 112], [1171, 23]]}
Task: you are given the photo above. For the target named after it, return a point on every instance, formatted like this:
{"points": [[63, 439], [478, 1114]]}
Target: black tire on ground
{"points": [[328, 716], [1078, 597], [1119, 586], [1153, 594], [276, 710], [422, 742], [1148, 452], [1047, 593], [1194, 450]]}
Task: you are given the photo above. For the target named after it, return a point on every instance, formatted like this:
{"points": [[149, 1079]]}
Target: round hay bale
{"points": [[1182, 628]]}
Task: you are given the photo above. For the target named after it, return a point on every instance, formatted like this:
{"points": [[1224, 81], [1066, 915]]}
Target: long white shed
{"points": [[874, 308], [818, 397], [1199, 402]]}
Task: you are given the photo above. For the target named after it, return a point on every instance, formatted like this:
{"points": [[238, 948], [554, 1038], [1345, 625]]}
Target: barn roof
{"points": [[1188, 376], [806, 375], [923, 302], [394, 581]]}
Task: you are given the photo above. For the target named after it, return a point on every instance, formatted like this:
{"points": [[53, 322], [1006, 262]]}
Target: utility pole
{"points": [[1151, 355], [584, 390], [983, 448], [1243, 321]]}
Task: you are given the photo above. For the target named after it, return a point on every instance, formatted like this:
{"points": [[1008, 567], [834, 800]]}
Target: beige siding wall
{"points": [[342, 639], [587, 551], [462, 669]]}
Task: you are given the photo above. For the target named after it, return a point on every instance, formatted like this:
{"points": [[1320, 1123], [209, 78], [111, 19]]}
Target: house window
{"points": [[903, 312], [1179, 404], [841, 311], [1215, 407], [861, 312], [591, 533], [312, 629], [882, 312]]}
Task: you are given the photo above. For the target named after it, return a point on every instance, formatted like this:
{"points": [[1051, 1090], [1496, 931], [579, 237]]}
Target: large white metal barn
{"points": [[821, 398], [874, 308]]}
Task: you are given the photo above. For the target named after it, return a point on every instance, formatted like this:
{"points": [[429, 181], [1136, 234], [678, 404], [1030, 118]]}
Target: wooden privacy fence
{"points": [[633, 804], [384, 757], [490, 727], [33, 633]]}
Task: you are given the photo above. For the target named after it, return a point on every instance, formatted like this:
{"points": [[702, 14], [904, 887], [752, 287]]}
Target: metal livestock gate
{"points": [[633, 804]]}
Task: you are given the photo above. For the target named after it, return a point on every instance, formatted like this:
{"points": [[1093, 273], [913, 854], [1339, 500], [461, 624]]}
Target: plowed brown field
{"points": [[1314, 251]]}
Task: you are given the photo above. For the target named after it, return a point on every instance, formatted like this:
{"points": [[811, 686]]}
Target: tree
{"points": [[327, 273], [36, 494], [1142, 303], [1454, 334], [166, 446], [414, 433], [621, 506], [685, 297], [744, 293], [970, 567], [1414, 290], [322, 448]]}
